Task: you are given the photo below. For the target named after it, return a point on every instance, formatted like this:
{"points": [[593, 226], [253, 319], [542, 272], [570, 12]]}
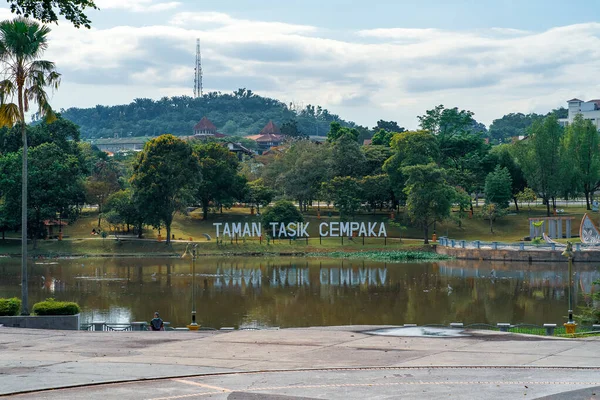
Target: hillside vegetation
{"points": [[239, 113]]}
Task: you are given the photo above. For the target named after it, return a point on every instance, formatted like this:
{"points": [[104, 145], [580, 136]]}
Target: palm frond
{"points": [[7, 89], [9, 114]]}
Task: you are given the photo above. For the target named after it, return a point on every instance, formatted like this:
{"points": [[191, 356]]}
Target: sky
{"points": [[363, 60]]}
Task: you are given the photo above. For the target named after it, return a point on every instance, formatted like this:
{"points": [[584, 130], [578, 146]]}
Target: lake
{"points": [[299, 292]]}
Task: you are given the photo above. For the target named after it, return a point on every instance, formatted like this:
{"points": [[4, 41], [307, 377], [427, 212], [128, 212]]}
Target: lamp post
{"points": [[570, 326], [193, 326]]}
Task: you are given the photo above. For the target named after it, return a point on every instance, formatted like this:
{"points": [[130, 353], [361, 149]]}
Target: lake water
{"points": [[297, 292]]}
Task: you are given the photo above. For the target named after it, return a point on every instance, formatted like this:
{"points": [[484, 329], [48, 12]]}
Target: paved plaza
{"points": [[311, 363]]}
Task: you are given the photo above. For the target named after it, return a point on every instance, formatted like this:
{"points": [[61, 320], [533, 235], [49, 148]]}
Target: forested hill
{"points": [[240, 113]]}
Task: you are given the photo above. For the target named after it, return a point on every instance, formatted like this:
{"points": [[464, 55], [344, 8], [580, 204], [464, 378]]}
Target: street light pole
{"points": [[193, 326], [570, 325]]}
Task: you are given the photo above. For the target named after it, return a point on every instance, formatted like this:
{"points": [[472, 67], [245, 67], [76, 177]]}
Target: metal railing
{"points": [[480, 244]]}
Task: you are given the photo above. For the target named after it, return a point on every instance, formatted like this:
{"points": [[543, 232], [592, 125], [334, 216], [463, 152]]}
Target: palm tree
{"points": [[22, 42]]}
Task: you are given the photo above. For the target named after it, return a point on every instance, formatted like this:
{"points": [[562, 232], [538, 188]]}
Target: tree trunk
{"points": [[554, 202], [168, 241], [99, 213], [24, 280], [426, 233], [491, 225], [516, 204], [547, 207], [587, 200], [204, 211], [140, 231]]}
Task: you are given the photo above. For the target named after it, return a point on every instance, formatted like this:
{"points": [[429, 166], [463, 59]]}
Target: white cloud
{"points": [[137, 5], [371, 74]]}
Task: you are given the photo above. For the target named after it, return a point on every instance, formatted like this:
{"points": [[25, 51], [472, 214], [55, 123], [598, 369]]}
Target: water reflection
{"points": [[299, 292]]}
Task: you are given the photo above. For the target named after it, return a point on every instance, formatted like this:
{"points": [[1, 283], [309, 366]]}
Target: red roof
{"points": [[205, 125], [270, 128]]}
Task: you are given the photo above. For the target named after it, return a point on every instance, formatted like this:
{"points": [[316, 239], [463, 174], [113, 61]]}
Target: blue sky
{"points": [[362, 60]]}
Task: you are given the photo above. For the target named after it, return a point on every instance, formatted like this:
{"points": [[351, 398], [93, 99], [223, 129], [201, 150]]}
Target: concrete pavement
{"points": [[325, 362]]}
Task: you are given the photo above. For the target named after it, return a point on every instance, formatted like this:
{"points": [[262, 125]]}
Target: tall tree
{"points": [[410, 148], [103, 182], [447, 121], [165, 177], [388, 126], [258, 194], [347, 159], [22, 43], [429, 197], [539, 157], [345, 192], [45, 10], [582, 153], [498, 187], [503, 157], [219, 171], [336, 131]]}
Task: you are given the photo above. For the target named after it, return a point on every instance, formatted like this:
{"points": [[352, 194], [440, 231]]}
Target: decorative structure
{"points": [[198, 72], [588, 231], [537, 227]]}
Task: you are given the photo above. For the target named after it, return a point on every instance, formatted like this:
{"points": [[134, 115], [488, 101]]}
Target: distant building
{"points": [[120, 145], [589, 109], [206, 129], [238, 149], [270, 136]]}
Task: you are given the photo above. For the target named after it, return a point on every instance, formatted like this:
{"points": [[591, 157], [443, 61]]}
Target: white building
{"points": [[589, 109]]}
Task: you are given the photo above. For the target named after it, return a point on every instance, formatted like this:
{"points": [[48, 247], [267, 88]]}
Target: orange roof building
{"points": [[269, 136]]}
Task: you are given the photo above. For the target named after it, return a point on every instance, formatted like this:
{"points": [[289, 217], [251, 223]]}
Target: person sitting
{"points": [[93, 231], [157, 323]]}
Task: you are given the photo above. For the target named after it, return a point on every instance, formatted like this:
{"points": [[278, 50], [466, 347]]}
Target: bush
{"points": [[10, 307], [281, 212], [53, 307]]}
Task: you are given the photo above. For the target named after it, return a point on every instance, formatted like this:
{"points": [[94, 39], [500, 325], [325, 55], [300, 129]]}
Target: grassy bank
{"points": [[79, 241], [102, 247]]}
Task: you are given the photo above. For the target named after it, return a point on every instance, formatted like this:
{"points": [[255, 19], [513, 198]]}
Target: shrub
{"points": [[10, 307], [53, 307]]}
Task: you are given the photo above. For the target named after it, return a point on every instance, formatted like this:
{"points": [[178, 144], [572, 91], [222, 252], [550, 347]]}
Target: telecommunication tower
{"points": [[198, 72]]}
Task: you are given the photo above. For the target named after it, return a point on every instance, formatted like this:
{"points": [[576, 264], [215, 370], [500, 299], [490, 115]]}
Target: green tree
{"points": [[539, 157], [345, 192], [447, 121], [347, 159], [428, 196], [491, 212], [282, 212], [375, 158], [383, 138], [122, 203], [103, 182], [259, 195], [582, 154], [219, 170], [511, 125], [527, 195], [388, 126], [165, 177], [375, 190], [498, 187], [463, 200], [504, 158], [336, 131], [410, 148], [45, 10], [22, 42], [290, 128]]}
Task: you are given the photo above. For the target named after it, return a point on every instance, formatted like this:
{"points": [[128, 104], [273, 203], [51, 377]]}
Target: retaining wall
{"points": [[59, 322], [517, 255]]}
